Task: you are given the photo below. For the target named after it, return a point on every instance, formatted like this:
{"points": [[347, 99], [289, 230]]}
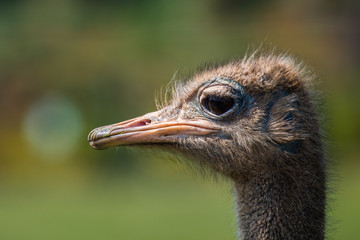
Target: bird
{"points": [[255, 121]]}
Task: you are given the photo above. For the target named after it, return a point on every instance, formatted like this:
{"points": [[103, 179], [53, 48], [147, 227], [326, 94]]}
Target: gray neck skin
{"points": [[281, 206]]}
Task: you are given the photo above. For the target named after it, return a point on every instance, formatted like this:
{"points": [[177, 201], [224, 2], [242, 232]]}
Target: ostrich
{"points": [[252, 120]]}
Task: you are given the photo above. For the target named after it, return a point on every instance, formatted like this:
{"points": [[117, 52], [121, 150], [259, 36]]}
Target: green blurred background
{"points": [[69, 66]]}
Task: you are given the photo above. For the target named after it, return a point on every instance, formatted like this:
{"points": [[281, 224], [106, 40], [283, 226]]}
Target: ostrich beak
{"points": [[148, 129]]}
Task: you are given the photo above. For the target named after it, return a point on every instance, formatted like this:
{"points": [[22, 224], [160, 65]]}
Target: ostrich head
{"points": [[252, 120], [237, 118]]}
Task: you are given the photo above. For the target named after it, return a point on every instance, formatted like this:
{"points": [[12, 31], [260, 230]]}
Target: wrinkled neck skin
{"points": [[282, 205]]}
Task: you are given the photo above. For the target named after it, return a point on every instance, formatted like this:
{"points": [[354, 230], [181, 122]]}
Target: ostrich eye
{"points": [[218, 105], [221, 99]]}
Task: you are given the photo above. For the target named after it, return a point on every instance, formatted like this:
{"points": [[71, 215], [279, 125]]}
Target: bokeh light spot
{"points": [[53, 126]]}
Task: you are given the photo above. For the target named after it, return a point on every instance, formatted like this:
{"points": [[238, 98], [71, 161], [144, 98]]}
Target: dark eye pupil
{"points": [[218, 105]]}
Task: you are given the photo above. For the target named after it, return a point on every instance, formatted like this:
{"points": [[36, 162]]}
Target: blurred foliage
{"points": [[103, 62]]}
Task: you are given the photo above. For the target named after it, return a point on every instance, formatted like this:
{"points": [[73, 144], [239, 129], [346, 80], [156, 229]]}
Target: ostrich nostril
{"points": [[139, 123]]}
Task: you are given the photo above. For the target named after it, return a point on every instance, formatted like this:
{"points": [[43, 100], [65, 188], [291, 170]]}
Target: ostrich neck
{"points": [[280, 205]]}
